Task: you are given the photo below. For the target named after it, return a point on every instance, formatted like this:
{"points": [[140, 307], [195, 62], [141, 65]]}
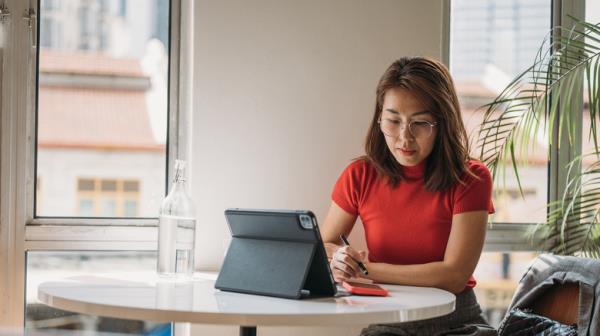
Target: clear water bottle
{"points": [[176, 229]]}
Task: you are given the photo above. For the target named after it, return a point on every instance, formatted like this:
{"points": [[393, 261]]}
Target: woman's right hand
{"points": [[344, 263]]}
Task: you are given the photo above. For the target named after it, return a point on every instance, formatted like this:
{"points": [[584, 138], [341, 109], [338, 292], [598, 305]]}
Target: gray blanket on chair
{"points": [[547, 270]]}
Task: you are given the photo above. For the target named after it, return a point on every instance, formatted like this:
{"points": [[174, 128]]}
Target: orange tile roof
{"points": [[91, 118], [474, 89], [54, 61], [100, 118]]}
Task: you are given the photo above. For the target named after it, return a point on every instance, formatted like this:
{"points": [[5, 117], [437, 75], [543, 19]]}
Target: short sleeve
{"points": [[346, 192], [475, 193]]}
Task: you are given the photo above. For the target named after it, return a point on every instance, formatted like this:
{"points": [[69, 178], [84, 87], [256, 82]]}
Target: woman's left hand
{"points": [[344, 263]]}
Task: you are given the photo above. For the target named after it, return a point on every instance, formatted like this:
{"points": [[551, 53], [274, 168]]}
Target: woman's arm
{"points": [[460, 259], [336, 222]]}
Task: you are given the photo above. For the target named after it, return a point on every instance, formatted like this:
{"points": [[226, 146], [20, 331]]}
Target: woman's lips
{"points": [[406, 152]]}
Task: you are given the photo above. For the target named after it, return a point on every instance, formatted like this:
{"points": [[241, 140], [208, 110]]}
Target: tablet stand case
{"points": [[272, 254]]}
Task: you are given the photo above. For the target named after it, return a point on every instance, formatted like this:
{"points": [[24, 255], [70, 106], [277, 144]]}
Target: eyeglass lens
{"points": [[416, 128]]}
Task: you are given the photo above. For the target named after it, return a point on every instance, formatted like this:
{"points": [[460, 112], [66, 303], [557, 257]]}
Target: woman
{"points": [[423, 203]]}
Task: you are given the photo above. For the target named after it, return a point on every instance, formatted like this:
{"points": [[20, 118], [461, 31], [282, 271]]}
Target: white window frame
{"points": [[511, 237], [20, 231]]}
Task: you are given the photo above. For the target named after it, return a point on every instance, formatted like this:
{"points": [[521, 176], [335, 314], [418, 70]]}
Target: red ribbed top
{"points": [[407, 224]]}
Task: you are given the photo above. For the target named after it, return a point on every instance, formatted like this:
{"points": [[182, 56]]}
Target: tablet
{"points": [[277, 253]]}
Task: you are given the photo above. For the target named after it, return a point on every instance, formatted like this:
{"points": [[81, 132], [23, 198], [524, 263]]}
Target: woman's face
{"points": [[400, 108]]}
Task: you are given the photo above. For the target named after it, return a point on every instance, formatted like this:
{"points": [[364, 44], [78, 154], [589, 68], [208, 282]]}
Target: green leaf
{"points": [[544, 98]]}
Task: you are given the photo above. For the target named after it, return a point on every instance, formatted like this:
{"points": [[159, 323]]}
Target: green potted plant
{"points": [[542, 100]]}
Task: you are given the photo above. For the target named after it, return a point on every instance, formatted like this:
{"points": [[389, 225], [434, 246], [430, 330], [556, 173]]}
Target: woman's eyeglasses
{"points": [[418, 129]]}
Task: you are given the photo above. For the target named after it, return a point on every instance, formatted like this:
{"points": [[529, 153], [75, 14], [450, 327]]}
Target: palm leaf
{"points": [[544, 98], [577, 213]]}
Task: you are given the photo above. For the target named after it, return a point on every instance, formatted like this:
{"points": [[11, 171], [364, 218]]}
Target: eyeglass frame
{"points": [[431, 124]]}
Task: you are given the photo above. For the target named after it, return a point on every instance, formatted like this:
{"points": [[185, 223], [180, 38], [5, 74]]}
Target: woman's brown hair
{"points": [[430, 81]]}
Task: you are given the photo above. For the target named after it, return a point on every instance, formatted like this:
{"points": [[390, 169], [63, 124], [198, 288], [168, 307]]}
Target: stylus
{"points": [[360, 264]]}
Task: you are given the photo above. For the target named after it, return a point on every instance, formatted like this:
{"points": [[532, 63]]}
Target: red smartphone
{"points": [[359, 288]]}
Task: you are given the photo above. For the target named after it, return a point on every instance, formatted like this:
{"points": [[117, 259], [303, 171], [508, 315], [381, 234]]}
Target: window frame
{"points": [[20, 230]]}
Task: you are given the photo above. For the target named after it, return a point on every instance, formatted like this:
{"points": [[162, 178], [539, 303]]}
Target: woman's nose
{"points": [[404, 132]]}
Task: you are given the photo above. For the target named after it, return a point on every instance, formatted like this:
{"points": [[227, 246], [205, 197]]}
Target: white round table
{"points": [[147, 297]]}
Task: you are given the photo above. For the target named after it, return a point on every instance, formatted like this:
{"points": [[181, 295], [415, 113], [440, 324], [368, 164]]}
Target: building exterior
{"points": [[502, 33], [94, 135], [120, 28]]}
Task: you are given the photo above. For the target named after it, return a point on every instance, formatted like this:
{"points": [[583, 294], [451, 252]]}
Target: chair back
{"points": [[565, 289]]}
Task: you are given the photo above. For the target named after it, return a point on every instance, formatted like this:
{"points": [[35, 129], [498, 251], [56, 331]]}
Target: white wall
{"points": [[284, 91]]}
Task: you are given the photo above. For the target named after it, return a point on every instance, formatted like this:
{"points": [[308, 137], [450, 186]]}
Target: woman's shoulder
{"points": [[359, 163], [475, 191], [478, 168], [359, 167]]}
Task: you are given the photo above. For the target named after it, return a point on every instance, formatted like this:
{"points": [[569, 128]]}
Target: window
{"points": [[86, 129], [102, 108], [592, 15], [107, 197], [101, 141], [101, 132], [43, 265], [491, 42]]}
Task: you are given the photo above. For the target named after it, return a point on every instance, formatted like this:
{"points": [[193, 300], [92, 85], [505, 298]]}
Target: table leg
{"points": [[247, 331]]}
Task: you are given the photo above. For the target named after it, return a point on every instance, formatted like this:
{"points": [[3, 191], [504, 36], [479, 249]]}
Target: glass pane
{"points": [[592, 15], [108, 185], [102, 105], [588, 146], [491, 42], [85, 185], [497, 276], [46, 266], [131, 186]]}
